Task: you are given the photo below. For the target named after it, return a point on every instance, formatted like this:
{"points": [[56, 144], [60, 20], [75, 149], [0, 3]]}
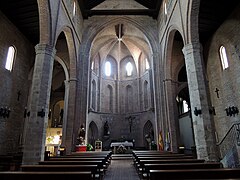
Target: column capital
{"points": [[45, 49], [155, 54], [194, 46], [72, 79]]}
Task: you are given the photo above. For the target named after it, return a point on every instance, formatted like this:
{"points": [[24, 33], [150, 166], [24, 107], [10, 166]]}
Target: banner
{"points": [[160, 141]]}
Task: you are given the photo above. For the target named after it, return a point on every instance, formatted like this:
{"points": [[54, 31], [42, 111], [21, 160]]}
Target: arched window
{"points": [[223, 56], [129, 69], [74, 8], [165, 8], [10, 58], [92, 67], [108, 68], [147, 64]]}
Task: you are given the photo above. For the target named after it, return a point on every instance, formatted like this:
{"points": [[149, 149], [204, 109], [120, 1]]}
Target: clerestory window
{"points": [[147, 64], [129, 69], [108, 68], [74, 8]]}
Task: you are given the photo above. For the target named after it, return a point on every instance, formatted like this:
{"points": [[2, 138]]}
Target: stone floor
{"points": [[121, 169]]}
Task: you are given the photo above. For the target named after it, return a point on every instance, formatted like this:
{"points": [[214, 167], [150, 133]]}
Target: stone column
{"points": [[35, 126], [202, 123], [157, 93], [69, 139], [65, 114], [172, 134]]}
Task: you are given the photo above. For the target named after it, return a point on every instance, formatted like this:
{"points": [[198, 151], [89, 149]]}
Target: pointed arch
{"points": [[148, 132], [68, 33], [92, 133]]}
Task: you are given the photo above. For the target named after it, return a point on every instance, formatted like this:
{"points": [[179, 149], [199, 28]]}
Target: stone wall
{"points": [[119, 127], [12, 83], [226, 81]]}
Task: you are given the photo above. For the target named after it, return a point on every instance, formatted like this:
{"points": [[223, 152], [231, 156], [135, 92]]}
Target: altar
{"points": [[125, 144]]}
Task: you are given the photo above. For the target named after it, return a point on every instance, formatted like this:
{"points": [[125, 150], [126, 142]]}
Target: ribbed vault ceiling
{"points": [[24, 14]]}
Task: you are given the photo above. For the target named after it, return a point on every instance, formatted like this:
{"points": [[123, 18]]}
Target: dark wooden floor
{"points": [[121, 169]]}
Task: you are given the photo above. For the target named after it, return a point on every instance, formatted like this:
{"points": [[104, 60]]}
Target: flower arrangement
{"points": [[89, 147]]}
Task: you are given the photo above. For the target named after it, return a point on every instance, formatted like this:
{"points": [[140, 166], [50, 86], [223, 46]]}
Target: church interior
{"points": [[119, 77]]}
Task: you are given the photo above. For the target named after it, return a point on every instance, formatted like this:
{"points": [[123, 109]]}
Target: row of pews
{"points": [[81, 165], [10, 162], [153, 165]]}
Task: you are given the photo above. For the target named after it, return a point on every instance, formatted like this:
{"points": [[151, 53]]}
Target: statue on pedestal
{"points": [[106, 129], [81, 135]]}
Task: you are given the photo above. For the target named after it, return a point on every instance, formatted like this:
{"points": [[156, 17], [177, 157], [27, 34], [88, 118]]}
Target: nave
{"points": [[145, 165], [121, 168]]}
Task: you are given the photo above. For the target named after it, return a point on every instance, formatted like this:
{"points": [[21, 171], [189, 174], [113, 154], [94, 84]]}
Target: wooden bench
{"points": [[207, 165], [98, 163], [141, 164], [220, 173], [19, 175], [6, 162], [104, 161], [63, 168]]}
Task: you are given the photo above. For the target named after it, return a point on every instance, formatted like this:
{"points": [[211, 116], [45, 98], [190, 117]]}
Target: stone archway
{"points": [[92, 133], [148, 134]]}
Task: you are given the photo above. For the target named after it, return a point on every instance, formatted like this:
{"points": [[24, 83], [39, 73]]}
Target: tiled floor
{"points": [[122, 169]]}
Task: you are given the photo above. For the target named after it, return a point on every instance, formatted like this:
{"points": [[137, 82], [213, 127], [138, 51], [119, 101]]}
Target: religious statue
{"points": [[81, 135], [60, 117], [106, 129]]}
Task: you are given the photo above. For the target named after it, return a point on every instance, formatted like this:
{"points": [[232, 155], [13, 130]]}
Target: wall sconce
{"points": [[41, 113], [212, 111], [231, 111], [197, 111], [26, 113], [5, 112]]}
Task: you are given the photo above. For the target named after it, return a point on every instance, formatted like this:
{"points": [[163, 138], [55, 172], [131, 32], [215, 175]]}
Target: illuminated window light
{"points": [[108, 68], [147, 64], [223, 56], [74, 8], [129, 69], [165, 8], [10, 58], [185, 106]]}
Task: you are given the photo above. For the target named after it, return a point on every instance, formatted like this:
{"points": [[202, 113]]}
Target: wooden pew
{"points": [[45, 168], [6, 162], [63, 168], [140, 165], [104, 156], [205, 165], [98, 163], [220, 173], [19, 175], [104, 161]]}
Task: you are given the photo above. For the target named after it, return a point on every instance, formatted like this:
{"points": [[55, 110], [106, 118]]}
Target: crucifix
{"points": [[217, 90], [19, 94]]}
